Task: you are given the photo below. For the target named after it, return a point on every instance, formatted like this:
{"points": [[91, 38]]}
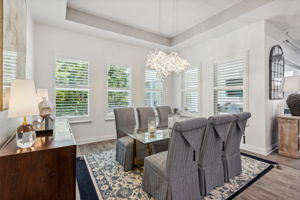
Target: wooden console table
{"points": [[289, 134], [47, 170]]}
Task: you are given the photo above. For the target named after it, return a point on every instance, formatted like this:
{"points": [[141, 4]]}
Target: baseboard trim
{"points": [[259, 150], [272, 148], [96, 139], [253, 149]]}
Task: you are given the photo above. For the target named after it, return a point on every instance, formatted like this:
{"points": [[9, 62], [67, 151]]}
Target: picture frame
{"points": [[1, 55]]}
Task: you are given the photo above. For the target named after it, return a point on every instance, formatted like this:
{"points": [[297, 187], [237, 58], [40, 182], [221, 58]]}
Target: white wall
{"points": [[8, 125], [52, 42], [274, 108], [254, 40], [248, 39]]}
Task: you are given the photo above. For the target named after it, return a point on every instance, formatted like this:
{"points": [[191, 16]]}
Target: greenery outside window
{"points": [[72, 88], [119, 88]]}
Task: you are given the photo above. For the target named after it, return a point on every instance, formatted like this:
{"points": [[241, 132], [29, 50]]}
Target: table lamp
{"points": [[292, 84], [23, 103]]}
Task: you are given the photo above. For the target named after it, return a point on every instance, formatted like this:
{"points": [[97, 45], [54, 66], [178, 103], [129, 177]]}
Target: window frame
{"points": [[73, 119], [108, 115], [198, 89], [153, 90], [245, 87]]}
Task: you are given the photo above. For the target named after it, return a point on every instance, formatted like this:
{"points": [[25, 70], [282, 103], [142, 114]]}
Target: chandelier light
{"points": [[165, 64]]}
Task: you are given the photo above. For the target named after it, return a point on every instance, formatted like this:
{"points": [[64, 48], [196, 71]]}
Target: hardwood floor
{"points": [[283, 183]]}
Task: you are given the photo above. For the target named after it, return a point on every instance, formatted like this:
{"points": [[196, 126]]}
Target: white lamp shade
{"points": [[42, 93], [22, 101], [292, 84]]}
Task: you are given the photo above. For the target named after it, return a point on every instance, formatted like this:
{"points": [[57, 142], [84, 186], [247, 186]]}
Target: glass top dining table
{"points": [[145, 137]]}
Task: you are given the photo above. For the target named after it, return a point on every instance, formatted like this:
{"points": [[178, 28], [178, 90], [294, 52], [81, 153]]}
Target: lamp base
{"points": [[25, 136]]}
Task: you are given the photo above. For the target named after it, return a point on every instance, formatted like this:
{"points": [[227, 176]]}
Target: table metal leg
{"points": [[136, 163], [134, 153], [149, 147]]}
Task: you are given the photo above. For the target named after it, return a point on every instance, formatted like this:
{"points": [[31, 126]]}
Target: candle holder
{"points": [[151, 125]]}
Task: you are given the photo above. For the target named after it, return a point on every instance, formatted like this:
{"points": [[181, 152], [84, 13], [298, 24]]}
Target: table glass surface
{"points": [[145, 137]]}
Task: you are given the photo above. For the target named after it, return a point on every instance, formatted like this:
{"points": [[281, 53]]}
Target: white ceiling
{"points": [[182, 22], [288, 23], [164, 17]]}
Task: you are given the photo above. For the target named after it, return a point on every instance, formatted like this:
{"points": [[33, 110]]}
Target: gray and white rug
{"points": [[111, 182]]}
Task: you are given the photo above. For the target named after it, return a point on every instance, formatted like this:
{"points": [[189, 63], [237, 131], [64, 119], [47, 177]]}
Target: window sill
{"points": [[80, 121], [109, 119]]}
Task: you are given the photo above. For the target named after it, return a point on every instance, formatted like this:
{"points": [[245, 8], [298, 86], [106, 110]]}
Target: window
{"points": [[72, 88], [153, 89], [291, 69], [190, 90], [229, 86], [10, 60], [119, 87]]}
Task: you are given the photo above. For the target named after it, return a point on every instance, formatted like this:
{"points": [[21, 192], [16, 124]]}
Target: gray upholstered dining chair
{"points": [[211, 170], [143, 115], [124, 149], [173, 174], [232, 156], [125, 144], [163, 112]]}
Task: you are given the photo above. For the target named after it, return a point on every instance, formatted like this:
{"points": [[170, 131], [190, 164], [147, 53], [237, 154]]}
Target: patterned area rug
{"points": [[111, 182]]}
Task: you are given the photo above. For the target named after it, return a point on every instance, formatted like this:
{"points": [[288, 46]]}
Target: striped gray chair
{"points": [[163, 112], [232, 156], [173, 174], [211, 170], [143, 115], [124, 149]]}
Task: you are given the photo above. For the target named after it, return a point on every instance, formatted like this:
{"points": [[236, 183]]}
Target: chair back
{"points": [[184, 146], [124, 117], [233, 141], [163, 112], [216, 132], [143, 115]]}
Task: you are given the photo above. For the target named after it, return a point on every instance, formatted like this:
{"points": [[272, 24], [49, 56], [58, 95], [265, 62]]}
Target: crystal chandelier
{"points": [[165, 64]]}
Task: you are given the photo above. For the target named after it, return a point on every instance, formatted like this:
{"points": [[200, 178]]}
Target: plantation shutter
{"points": [[153, 89], [229, 86], [72, 88], [10, 60], [190, 91], [119, 87]]}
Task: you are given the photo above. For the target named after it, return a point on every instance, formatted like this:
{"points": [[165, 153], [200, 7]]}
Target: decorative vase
{"points": [[293, 102]]}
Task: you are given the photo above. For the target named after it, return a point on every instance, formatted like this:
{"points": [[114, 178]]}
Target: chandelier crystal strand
{"points": [[166, 64]]}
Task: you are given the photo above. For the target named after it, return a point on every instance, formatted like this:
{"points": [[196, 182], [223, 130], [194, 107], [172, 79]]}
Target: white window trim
{"points": [[245, 87], [198, 89], [153, 90], [108, 116], [75, 119]]}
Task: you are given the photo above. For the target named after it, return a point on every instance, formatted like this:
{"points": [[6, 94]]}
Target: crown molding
{"points": [[109, 25]]}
